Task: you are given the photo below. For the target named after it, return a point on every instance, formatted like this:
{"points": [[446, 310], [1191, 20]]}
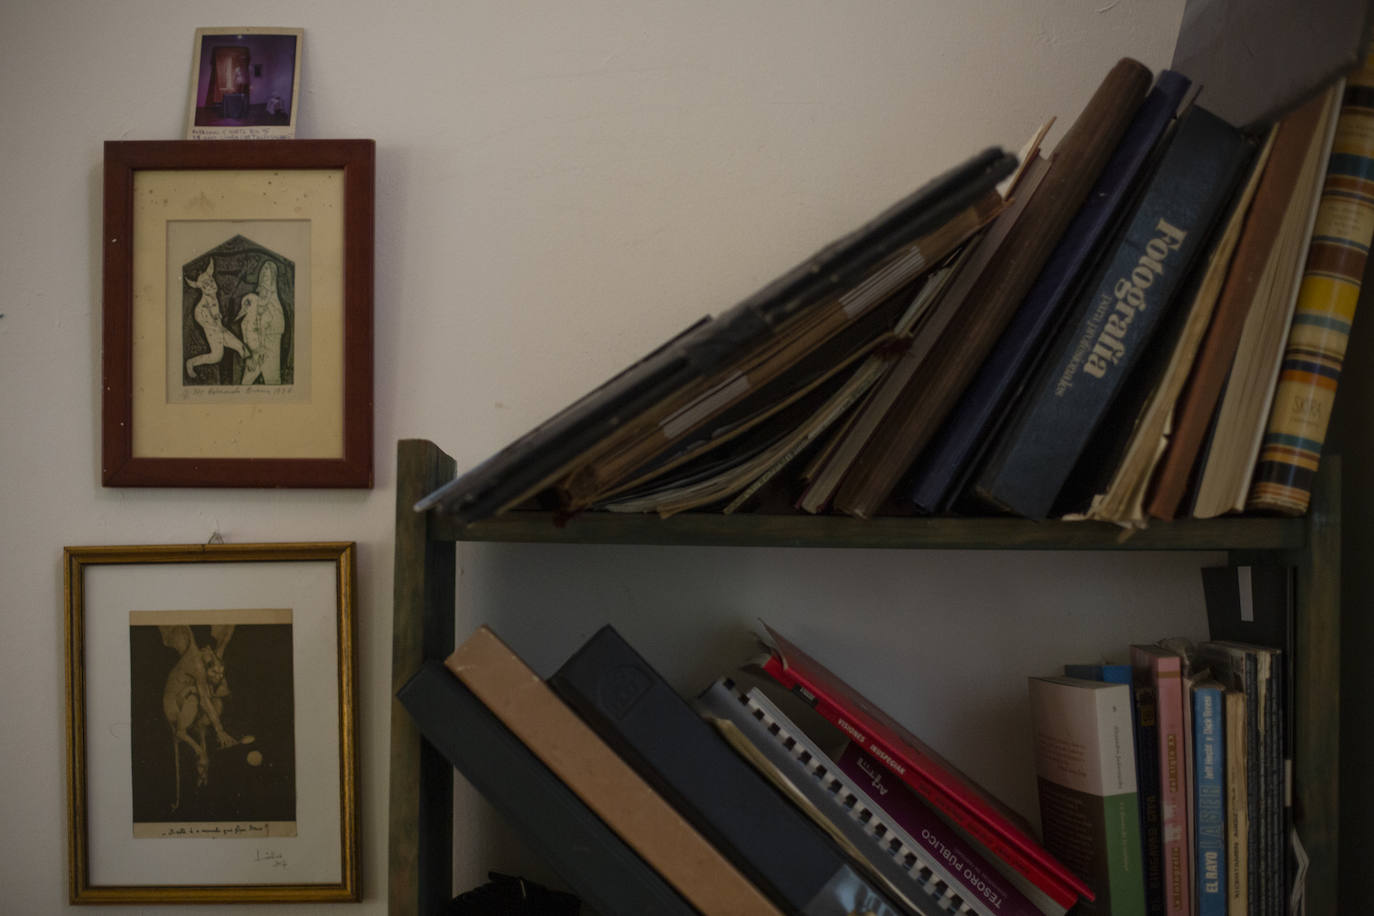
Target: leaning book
{"points": [[946, 788], [768, 739]]}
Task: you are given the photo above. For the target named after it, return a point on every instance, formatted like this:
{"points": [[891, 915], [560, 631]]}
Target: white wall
{"points": [[560, 186]]}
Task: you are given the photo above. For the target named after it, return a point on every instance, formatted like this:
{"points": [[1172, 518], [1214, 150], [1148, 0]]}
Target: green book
{"points": [[1085, 775]]}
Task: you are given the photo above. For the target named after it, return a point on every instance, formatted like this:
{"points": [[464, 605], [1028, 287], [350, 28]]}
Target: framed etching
{"points": [[211, 752], [238, 313]]}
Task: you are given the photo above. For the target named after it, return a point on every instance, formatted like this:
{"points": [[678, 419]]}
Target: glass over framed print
{"points": [[238, 313], [210, 723]]}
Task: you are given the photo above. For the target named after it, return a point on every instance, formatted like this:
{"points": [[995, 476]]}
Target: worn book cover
{"points": [[1116, 316], [943, 467], [540, 456], [936, 385], [1314, 355], [1197, 403]]}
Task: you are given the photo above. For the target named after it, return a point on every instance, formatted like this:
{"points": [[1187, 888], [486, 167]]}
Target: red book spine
{"points": [[946, 795]]}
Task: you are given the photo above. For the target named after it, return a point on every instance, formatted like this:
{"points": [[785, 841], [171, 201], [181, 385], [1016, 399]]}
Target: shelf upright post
{"points": [[1317, 705], [420, 858]]}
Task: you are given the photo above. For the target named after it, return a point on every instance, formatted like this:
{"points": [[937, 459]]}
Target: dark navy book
{"points": [[1115, 315], [605, 872], [948, 460], [658, 733]]}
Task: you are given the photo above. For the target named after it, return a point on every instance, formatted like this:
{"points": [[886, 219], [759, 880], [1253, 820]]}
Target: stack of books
{"points": [[648, 802], [1164, 779], [1146, 322], [780, 789]]}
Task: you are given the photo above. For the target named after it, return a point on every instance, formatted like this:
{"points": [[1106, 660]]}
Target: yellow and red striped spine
{"points": [[1330, 290]]}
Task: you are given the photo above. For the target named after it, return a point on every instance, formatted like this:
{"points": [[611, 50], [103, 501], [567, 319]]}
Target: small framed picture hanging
{"points": [[245, 84], [238, 313], [211, 723]]}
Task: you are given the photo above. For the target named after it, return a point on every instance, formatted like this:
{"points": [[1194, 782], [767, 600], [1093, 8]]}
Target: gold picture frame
{"points": [[237, 315], [211, 704]]}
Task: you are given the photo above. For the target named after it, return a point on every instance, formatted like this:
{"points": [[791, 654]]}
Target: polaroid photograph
{"points": [[245, 84]]}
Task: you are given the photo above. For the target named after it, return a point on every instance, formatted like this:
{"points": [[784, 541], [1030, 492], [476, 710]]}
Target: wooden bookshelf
{"points": [[420, 863]]}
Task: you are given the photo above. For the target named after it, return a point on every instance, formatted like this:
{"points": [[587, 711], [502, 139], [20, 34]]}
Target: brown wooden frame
{"points": [[76, 561], [119, 465]]}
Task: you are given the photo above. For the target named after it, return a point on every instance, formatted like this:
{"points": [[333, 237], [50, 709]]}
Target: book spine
{"points": [[1085, 780], [1147, 778], [1274, 781], [1209, 803], [1259, 872], [1166, 679], [1315, 354], [1116, 316], [625, 700], [1237, 807], [963, 809], [1111, 674], [1146, 743], [957, 442], [968, 869]]}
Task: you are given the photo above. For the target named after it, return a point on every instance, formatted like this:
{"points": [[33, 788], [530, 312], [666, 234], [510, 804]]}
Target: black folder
{"points": [[624, 699], [596, 863]]}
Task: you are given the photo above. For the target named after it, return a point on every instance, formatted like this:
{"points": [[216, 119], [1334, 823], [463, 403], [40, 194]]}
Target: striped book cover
{"points": [[1330, 290]]}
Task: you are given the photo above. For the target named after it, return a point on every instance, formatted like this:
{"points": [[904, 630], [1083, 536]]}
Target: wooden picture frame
{"points": [[238, 313], [211, 703]]}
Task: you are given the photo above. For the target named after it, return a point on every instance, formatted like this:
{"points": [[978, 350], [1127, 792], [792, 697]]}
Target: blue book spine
{"points": [[1111, 674], [955, 446], [1115, 315], [1209, 797]]}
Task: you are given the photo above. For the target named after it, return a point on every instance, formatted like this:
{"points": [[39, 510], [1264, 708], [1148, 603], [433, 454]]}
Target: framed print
{"points": [[238, 313], [245, 84], [211, 752]]}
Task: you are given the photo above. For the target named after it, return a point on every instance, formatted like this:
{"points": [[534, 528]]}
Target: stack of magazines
{"points": [[1146, 322]]}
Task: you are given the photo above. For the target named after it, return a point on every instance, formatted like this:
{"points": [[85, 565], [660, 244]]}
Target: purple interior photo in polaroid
{"points": [[246, 80]]}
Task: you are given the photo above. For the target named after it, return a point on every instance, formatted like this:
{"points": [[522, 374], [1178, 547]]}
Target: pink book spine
{"points": [[1166, 674]]}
